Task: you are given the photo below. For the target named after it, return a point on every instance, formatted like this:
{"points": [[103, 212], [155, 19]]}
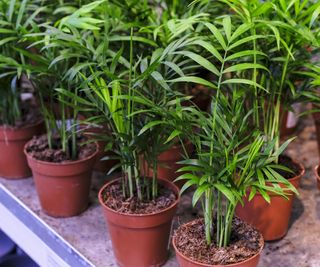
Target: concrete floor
{"points": [[298, 249]]}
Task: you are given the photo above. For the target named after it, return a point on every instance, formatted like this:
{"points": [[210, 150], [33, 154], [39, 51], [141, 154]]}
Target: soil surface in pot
{"points": [[39, 149], [113, 198], [290, 164], [30, 114], [191, 242]]}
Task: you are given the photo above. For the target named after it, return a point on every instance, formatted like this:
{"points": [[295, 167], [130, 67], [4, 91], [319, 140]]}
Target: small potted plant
{"points": [[135, 207], [229, 159], [62, 160], [20, 118], [237, 59]]}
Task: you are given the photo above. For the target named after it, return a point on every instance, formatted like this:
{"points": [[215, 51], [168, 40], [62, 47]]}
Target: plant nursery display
{"points": [[170, 97]]}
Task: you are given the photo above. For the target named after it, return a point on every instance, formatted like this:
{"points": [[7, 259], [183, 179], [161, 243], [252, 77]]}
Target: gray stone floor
{"points": [[300, 248]]}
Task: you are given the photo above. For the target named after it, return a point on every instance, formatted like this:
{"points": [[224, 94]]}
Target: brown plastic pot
{"points": [[167, 162], [272, 220], [316, 171], [140, 240], [285, 129], [63, 188], [100, 165], [187, 262], [13, 162], [316, 118]]}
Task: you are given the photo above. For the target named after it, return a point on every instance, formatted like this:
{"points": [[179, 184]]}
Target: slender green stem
{"points": [[129, 172], [137, 178], [208, 215], [63, 134], [218, 217], [74, 131]]}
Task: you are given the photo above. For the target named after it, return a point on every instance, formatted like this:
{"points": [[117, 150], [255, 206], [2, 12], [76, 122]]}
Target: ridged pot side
{"points": [[140, 240], [13, 162], [272, 220], [63, 188]]}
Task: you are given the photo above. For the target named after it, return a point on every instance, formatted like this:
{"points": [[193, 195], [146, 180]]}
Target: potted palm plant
{"points": [[20, 118], [62, 160], [287, 55], [134, 206], [228, 161], [236, 52], [230, 158]]}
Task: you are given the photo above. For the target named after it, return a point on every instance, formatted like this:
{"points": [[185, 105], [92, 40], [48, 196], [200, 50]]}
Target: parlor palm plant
{"points": [[113, 87], [229, 159], [17, 18], [67, 156], [19, 118], [294, 24]]}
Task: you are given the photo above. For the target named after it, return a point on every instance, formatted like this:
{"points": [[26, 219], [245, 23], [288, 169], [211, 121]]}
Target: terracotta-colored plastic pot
{"points": [[104, 165], [101, 165], [316, 171], [316, 118], [202, 97], [187, 262], [13, 162], [63, 188], [167, 162], [287, 128], [272, 220], [140, 240]]}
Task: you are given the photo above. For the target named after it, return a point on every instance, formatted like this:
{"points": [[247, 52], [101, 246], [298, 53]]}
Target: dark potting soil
{"points": [[113, 198], [30, 114], [290, 164], [245, 243], [39, 149]]}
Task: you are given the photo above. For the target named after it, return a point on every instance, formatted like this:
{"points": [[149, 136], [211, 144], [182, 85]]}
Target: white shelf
{"points": [[41, 242]]}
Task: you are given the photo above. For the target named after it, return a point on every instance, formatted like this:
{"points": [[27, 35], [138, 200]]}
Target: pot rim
{"points": [[10, 128], [59, 163], [209, 265], [301, 173], [174, 204]]}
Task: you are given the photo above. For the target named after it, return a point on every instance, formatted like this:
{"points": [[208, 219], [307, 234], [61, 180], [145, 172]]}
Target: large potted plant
{"points": [[20, 118]]}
